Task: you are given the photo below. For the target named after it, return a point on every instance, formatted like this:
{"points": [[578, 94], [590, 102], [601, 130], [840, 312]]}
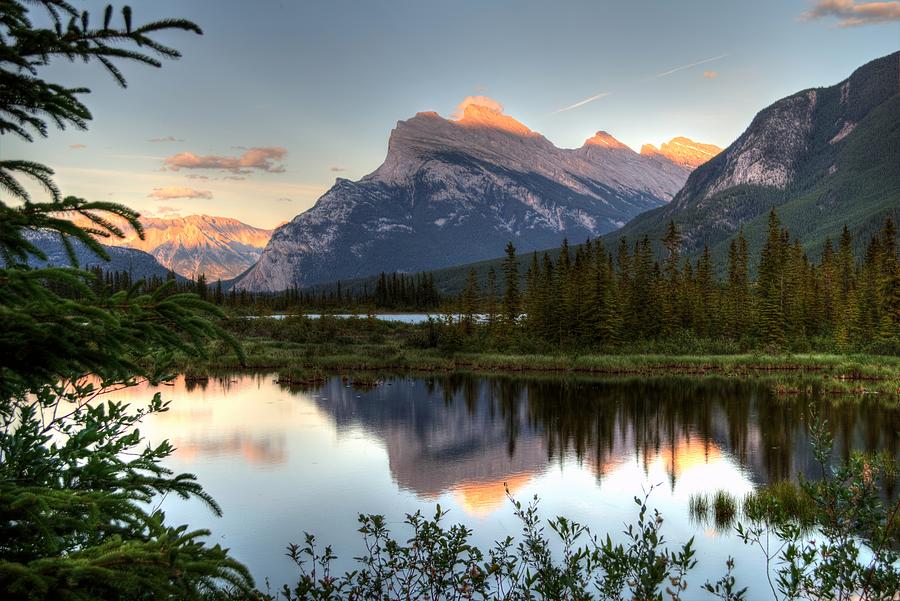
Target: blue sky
{"points": [[326, 81]]}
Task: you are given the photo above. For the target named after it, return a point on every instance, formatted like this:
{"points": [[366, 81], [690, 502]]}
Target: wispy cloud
{"points": [[582, 102], [173, 192], [266, 159], [78, 146], [851, 13], [589, 99], [337, 169], [284, 199], [165, 139], [690, 66]]}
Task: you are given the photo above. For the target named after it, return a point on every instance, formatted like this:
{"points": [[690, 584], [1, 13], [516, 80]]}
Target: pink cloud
{"points": [[710, 74], [337, 169], [484, 101], [264, 159], [172, 192], [851, 13], [77, 146]]}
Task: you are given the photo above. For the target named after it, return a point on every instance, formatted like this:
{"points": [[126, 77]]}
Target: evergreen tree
{"points": [[491, 301], [76, 479], [512, 304], [469, 302], [771, 286]]}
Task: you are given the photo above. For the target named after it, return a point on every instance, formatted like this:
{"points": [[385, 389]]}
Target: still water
{"points": [[281, 461], [398, 317]]}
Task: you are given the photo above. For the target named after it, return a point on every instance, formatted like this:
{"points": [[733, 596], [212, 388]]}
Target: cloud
{"points": [[284, 199], [236, 178], [166, 209], [337, 169], [165, 139], [589, 99], [582, 102], [196, 176], [172, 192], [851, 13], [78, 146], [484, 101], [683, 67], [266, 159]]}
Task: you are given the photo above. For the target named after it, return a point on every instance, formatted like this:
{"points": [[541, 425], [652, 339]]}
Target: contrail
{"points": [[658, 75], [683, 67], [582, 102]]}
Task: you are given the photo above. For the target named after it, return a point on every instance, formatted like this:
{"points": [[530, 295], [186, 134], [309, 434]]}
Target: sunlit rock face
{"points": [[452, 191], [219, 247], [683, 151], [827, 155]]}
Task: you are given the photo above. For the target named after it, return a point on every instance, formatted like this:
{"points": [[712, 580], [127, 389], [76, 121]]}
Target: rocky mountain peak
{"points": [[477, 115], [683, 151], [604, 139]]}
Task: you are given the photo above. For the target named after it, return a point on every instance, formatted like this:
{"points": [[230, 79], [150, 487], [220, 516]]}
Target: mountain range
{"points": [[452, 191], [823, 157], [136, 262], [219, 247]]}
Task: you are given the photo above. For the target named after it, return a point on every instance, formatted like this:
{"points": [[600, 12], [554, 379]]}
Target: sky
{"points": [[278, 98]]}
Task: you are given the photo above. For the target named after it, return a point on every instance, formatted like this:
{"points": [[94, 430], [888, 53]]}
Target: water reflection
{"points": [[282, 460], [448, 431]]}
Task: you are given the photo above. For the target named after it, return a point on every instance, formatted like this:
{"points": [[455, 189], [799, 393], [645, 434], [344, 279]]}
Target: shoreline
{"points": [[788, 373]]}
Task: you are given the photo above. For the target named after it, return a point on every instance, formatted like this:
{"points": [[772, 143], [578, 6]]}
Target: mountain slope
{"points": [[823, 157], [453, 191], [219, 247], [136, 262]]}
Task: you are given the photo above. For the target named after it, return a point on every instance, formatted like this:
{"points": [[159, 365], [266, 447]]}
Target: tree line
{"points": [[594, 296], [392, 292]]}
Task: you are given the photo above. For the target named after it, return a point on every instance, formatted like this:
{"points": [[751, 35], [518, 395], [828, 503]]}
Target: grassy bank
{"points": [[303, 350]]}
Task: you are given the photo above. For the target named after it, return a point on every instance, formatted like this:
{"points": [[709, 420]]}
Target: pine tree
{"points": [[770, 286], [491, 302], [76, 519], [469, 302], [512, 303]]}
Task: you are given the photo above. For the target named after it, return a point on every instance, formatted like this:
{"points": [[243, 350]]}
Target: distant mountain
{"points": [[683, 151], [137, 263], [823, 157], [219, 247], [452, 191]]}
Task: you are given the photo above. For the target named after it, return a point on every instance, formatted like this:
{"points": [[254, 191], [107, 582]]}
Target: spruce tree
{"points": [[76, 479], [512, 303], [770, 286]]}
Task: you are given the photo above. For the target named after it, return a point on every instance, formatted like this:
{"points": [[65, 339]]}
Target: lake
{"points": [[281, 461], [399, 317]]}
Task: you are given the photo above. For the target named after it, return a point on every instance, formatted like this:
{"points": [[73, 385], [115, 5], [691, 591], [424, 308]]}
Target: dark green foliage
{"points": [[596, 300], [440, 563], [76, 478]]}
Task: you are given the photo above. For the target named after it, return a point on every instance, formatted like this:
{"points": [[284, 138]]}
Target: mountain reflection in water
{"points": [[282, 460]]}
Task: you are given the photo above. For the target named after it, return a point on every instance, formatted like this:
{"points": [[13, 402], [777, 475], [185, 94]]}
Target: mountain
{"points": [[453, 191], [822, 157], [219, 247], [136, 262], [683, 151]]}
